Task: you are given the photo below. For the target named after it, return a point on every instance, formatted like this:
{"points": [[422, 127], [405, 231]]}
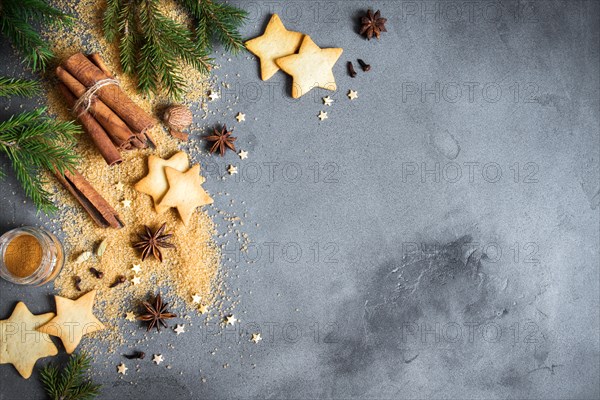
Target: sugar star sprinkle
{"points": [[130, 316], [137, 268], [179, 329], [230, 320], [213, 95], [352, 94], [240, 117], [121, 369], [243, 154], [157, 359], [136, 280], [196, 298], [126, 203], [203, 309], [327, 100], [119, 186], [256, 337], [323, 115], [232, 169]]}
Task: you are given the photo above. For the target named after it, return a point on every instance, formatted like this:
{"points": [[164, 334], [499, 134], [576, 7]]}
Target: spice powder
{"points": [[23, 256]]}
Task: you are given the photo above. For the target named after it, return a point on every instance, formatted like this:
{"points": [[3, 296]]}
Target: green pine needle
{"points": [[34, 142], [16, 21], [152, 46], [215, 21], [18, 87], [70, 383]]}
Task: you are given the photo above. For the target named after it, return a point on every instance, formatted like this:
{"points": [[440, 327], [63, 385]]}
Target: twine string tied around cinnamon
{"points": [[88, 96]]}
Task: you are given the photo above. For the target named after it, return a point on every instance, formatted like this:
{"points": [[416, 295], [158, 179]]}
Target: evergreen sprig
{"points": [[18, 87], [152, 45], [32, 142], [16, 19], [216, 21], [71, 383]]}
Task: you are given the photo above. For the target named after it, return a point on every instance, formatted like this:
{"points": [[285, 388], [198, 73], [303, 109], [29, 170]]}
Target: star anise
{"points": [[222, 140], [151, 243], [156, 314], [372, 24]]}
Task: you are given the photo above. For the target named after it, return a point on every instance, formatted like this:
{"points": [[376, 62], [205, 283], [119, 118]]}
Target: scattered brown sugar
{"points": [[23, 256], [193, 267]]}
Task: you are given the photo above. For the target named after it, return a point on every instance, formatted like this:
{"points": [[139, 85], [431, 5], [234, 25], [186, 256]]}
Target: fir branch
{"points": [[16, 21], [18, 87], [33, 142], [216, 21], [71, 382], [152, 45]]}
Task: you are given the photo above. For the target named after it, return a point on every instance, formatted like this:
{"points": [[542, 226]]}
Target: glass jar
{"points": [[30, 256]]}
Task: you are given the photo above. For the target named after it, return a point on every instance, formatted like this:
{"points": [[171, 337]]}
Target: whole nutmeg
{"points": [[178, 117]]}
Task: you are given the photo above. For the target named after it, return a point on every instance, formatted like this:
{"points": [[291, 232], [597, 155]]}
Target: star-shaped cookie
{"points": [[311, 67], [155, 183], [20, 344], [274, 43], [74, 319], [185, 192]]}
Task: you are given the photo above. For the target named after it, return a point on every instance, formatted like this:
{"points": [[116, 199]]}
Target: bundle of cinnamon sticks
{"points": [[113, 121]]}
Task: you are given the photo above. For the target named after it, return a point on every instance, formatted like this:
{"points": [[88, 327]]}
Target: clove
{"points": [[120, 279], [136, 355], [77, 281], [97, 274], [351, 70], [365, 67]]}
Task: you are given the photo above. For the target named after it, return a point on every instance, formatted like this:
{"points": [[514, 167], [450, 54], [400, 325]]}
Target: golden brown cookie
{"points": [[185, 192], [74, 319], [20, 344], [274, 43], [311, 67], [155, 183]]}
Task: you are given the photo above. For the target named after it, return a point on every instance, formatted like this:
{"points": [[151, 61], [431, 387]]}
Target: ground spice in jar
{"points": [[23, 256]]}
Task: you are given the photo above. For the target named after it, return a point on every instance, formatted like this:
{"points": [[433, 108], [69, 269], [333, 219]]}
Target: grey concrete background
{"points": [[454, 206]]}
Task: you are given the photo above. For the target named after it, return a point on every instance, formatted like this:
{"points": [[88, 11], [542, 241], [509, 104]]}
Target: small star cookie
{"points": [[20, 344], [157, 359], [311, 67], [179, 329], [121, 369], [74, 319], [275, 42], [256, 337], [230, 320]]}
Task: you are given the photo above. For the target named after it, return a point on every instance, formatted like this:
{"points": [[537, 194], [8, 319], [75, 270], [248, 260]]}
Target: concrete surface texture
{"points": [[437, 237]]}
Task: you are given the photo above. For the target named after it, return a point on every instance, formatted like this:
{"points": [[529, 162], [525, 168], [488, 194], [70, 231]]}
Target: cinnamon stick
{"points": [[89, 74], [98, 135], [99, 62], [118, 131], [96, 206]]}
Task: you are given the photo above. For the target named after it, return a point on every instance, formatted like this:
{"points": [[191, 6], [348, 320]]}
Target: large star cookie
{"points": [[185, 192], [20, 344], [155, 183], [74, 319], [311, 67], [274, 43]]}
